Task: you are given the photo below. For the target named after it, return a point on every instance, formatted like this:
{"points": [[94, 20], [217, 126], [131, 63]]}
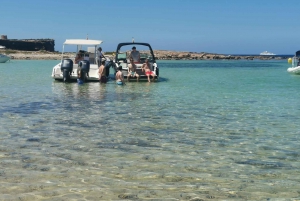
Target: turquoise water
{"points": [[209, 130]]}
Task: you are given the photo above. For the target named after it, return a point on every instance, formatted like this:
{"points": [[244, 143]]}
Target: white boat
{"points": [[267, 53], [66, 70], [295, 68], [122, 58], [2, 47], [4, 58]]}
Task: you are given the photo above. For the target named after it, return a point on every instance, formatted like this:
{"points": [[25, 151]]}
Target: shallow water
{"points": [[209, 130]]}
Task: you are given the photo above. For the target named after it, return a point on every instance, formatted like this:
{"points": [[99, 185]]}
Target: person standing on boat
{"points": [[135, 55], [132, 71], [147, 68], [119, 76], [99, 56], [102, 73]]}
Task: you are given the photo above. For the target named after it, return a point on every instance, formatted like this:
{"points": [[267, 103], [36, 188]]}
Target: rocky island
{"points": [[159, 55]]}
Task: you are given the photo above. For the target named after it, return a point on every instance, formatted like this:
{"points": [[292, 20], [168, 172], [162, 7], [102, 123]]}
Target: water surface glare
{"points": [[209, 130]]}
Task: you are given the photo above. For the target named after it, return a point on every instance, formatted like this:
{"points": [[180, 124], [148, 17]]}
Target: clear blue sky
{"points": [[216, 26]]}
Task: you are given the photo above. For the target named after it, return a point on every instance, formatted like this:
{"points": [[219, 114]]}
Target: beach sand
{"points": [[39, 55]]}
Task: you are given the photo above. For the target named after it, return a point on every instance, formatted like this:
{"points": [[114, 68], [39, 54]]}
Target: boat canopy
{"points": [[79, 43], [82, 42]]}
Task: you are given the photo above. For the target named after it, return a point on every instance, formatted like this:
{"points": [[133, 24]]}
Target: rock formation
{"points": [[28, 44]]}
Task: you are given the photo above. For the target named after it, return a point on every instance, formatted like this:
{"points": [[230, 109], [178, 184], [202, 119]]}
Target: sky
{"points": [[214, 26]]}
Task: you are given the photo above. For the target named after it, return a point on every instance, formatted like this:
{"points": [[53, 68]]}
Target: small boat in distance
{"points": [[267, 53], [295, 69], [4, 58]]}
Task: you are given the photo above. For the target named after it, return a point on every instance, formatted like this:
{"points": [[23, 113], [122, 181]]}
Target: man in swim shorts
{"points": [[102, 73], [119, 76], [132, 71], [79, 75], [146, 67]]}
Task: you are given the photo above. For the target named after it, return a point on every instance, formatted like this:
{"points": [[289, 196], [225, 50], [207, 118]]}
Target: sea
{"points": [[207, 130]]}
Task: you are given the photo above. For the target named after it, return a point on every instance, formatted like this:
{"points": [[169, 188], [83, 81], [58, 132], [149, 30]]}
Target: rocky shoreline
{"points": [[159, 54], [173, 55]]}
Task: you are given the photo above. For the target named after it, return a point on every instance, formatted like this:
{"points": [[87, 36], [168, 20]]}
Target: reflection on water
{"points": [[177, 140]]}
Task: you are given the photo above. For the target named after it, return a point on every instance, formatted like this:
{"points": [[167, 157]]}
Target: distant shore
{"points": [[159, 55]]}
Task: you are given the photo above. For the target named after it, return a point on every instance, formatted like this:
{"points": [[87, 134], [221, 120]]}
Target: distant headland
{"points": [[27, 44]]}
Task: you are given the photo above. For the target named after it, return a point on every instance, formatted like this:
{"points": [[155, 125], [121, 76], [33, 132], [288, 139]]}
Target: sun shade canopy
{"points": [[82, 42]]}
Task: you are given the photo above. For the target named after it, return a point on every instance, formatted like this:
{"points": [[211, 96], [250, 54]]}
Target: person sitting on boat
{"points": [[119, 76], [79, 57], [147, 68], [135, 55], [132, 71], [102, 73]]}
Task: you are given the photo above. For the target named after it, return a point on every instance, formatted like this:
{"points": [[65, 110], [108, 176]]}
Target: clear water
{"points": [[209, 130]]}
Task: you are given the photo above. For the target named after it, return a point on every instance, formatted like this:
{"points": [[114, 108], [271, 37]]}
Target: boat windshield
{"points": [[122, 55], [144, 51]]}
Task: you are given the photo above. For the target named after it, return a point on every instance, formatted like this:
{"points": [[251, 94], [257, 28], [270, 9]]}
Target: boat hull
{"points": [[57, 74], [294, 70], [4, 58]]}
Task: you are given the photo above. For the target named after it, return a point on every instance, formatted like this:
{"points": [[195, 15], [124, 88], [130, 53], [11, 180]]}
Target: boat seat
{"points": [[124, 65], [137, 65]]}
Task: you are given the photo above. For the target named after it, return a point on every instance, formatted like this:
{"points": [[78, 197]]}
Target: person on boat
{"points": [[132, 70], [102, 73], [79, 57], [135, 55], [119, 76], [100, 56], [147, 69]]}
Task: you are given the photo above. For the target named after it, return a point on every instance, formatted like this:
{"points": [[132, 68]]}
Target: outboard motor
{"points": [[66, 67], [84, 67]]}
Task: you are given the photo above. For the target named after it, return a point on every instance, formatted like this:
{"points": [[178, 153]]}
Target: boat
{"points": [[146, 52], [267, 53], [66, 70], [4, 58], [2, 47], [295, 68]]}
